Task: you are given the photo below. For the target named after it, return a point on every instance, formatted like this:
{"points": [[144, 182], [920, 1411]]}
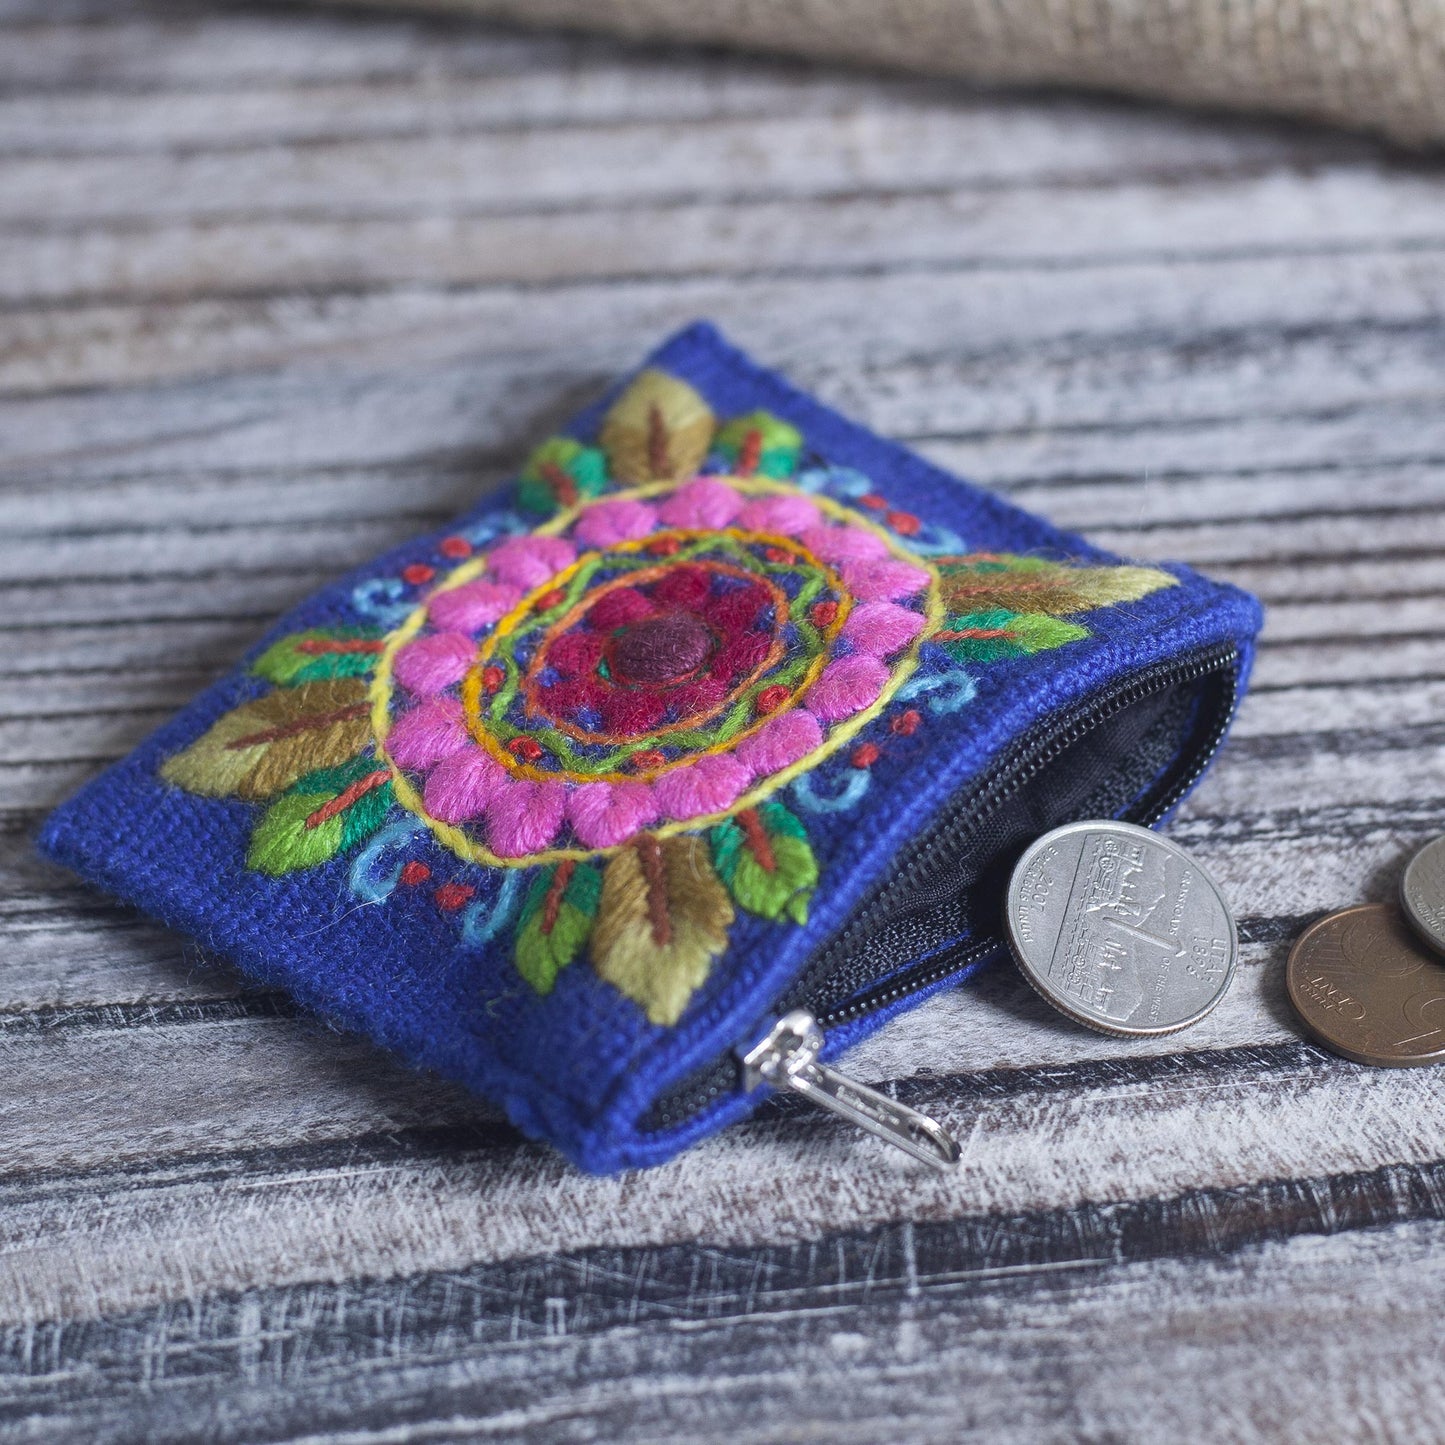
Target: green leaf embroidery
{"points": [[662, 919], [658, 430], [989, 636], [556, 921], [263, 747], [323, 814], [1005, 582], [559, 474], [764, 857], [318, 655], [760, 444]]}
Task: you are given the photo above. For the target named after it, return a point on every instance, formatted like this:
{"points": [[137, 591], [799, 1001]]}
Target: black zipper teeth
{"points": [[1016, 774], [978, 807]]}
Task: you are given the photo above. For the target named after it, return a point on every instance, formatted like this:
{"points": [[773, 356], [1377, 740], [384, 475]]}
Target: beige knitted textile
{"points": [[1372, 64]]}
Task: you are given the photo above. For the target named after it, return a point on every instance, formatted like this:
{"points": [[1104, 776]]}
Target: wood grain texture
{"points": [[280, 287]]}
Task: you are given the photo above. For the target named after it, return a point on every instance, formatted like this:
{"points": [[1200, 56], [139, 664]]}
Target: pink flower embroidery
{"points": [[677, 678]]}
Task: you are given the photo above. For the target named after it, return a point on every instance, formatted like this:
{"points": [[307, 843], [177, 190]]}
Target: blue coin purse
{"points": [[726, 712]]}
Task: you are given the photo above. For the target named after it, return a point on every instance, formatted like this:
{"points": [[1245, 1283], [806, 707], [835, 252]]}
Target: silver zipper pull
{"points": [[788, 1059]]}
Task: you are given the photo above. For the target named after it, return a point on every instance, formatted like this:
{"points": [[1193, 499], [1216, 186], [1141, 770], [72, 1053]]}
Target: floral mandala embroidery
{"points": [[650, 660], [607, 711]]}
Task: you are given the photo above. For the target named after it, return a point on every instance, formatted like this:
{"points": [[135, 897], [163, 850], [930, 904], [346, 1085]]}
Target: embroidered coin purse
{"points": [[726, 708]]}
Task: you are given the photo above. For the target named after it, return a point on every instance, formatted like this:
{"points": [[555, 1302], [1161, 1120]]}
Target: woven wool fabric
{"points": [[1370, 64], [559, 801]]}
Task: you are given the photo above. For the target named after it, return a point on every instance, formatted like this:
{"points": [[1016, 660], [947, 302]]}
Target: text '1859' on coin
{"points": [[1120, 929], [1422, 893], [1367, 988]]}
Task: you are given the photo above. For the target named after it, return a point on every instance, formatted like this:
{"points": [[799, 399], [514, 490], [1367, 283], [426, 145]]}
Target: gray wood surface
{"points": [[278, 288]]}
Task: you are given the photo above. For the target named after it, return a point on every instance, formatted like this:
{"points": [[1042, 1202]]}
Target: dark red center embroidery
{"points": [[663, 650], [669, 647]]}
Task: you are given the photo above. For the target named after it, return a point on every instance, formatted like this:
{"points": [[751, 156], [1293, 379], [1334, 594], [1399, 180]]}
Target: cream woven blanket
{"points": [[1372, 64]]}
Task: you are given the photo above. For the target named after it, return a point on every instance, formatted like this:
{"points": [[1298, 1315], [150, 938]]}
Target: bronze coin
{"points": [[1367, 988]]}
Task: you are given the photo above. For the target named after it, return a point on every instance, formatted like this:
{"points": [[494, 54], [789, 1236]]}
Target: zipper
{"points": [[787, 1059], [1005, 783], [828, 994]]}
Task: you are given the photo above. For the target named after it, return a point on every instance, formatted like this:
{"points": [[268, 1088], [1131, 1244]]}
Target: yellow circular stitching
{"points": [[471, 851]]}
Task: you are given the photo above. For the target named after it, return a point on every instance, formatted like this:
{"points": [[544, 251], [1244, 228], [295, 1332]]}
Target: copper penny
{"points": [[1369, 989]]}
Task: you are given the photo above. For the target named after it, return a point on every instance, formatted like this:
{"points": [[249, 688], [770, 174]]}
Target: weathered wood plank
{"points": [[210, 548], [1348, 207], [1035, 1139], [1284, 539], [1363, 705], [190, 647], [1402, 574], [203, 1083], [1039, 1353], [89, 956], [280, 289], [898, 147], [1372, 434], [112, 344], [1151, 502], [1080, 397], [502, 86], [29, 789], [1358, 834], [235, 544], [181, 503], [145, 47], [905, 1333]]}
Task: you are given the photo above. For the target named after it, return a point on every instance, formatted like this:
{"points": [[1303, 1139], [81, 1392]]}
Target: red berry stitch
{"points": [[451, 896], [418, 574], [865, 755], [455, 548], [528, 749], [415, 872], [770, 699], [906, 723]]}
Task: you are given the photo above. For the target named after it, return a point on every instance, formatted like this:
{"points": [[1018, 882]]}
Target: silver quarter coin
{"points": [[1422, 893], [1120, 929]]}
